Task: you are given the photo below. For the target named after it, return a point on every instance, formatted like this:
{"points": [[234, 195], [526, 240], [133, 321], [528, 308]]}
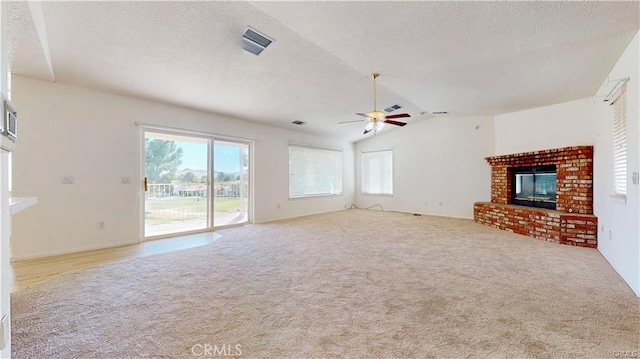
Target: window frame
{"points": [[339, 180], [619, 143], [363, 171]]}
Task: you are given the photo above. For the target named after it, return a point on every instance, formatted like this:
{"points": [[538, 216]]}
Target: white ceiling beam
{"points": [[35, 7]]}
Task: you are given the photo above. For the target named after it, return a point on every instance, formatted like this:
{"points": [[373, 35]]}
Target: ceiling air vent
{"points": [[299, 123], [255, 42], [392, 108], [440, 112]]}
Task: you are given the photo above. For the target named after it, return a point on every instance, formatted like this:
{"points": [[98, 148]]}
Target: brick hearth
{"points": [[571, 223]]}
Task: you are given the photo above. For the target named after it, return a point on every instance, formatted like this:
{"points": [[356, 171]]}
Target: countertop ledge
{"points": [[18, 204]]}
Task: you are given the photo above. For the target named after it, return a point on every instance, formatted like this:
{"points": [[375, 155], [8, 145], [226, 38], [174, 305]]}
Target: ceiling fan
{"points": [[377, 119]]}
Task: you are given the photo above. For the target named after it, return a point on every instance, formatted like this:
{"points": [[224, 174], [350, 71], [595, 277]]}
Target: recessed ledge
{"points": [[524, 208], [7, 144], [550, 212], [617, 199], [18, 204]]}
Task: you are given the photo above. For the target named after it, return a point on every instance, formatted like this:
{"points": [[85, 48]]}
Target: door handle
{"points": [[146, 186]]}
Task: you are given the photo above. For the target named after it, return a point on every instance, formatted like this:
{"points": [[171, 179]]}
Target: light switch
{"points": [[635, 177], [68, 180]]}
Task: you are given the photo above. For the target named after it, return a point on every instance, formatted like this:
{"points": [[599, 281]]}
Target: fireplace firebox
{"points": [[534, 186]]}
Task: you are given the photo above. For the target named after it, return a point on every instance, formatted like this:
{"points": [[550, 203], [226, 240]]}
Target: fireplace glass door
{"points": [[534, 186]]}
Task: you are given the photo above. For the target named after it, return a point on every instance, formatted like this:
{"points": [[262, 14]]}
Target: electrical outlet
{"points": [[101, 225], [610, 236], [125, 180], [278, 206], [440, 204], [635, 178], [68, 180]]}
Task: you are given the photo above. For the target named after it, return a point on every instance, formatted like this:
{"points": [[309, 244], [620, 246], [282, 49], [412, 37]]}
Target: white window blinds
{"points": [[377, 172], [314, 171], [619, 105]]}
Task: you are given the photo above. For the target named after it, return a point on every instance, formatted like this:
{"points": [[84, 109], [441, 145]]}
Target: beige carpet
{"points": [[349, 284]]}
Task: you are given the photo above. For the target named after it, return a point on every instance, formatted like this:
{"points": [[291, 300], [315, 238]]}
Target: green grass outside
{"points": [[226, 204], [195, 206], [176, 202]]}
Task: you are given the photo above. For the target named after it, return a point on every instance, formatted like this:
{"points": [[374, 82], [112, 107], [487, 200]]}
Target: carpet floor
{"points": [[349, 284]]}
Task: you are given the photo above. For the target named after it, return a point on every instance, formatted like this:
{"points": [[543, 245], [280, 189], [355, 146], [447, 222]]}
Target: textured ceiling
{"points": [[468, 58]]}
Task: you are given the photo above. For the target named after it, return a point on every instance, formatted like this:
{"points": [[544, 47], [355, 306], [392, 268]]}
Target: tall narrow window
{"points": [[314, 171], [377, 172], [619, 105]]}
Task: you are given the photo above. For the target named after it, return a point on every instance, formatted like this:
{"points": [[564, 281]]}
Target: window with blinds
{"points": [[619, 105], [377, 172], [314, 171]]}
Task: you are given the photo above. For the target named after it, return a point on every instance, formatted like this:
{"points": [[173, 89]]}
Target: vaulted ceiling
{"points": [[467, 58]]}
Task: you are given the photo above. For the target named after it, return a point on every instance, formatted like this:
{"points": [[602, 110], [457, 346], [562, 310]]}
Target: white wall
{"points": [[589, 122], [438, 160], [561, 125], [617, 217], [92, 136], [5, 219]]}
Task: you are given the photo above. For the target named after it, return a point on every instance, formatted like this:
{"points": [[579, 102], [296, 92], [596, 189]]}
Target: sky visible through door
{"points": [[225, 159], [179, 184]]}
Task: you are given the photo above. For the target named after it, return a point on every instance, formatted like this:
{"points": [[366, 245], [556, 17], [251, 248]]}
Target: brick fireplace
{"points": [[572, 222]]}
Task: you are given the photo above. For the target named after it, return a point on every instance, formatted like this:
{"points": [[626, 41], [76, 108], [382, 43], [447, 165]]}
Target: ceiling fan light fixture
{"points": [[376, 115], [377, 119]]}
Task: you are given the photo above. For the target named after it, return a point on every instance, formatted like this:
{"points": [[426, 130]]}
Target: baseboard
{"points": [[440, 215], [303, 215], [337, 210], [423, 213], [70, 251]]}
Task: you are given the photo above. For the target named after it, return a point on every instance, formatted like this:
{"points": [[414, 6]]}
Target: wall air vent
{"points": [[392, 108], [439, 112], [255, 42], [299, 123]]}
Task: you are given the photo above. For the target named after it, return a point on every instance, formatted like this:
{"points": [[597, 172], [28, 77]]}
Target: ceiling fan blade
{"points": [[361, 114], [366, 131], [400, 115], [350, 121], [397, 123]]}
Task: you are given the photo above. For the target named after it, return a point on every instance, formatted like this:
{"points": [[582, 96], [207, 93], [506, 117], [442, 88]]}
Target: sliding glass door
{"points": [[230, 183], [193, 183], [176, 180]]}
